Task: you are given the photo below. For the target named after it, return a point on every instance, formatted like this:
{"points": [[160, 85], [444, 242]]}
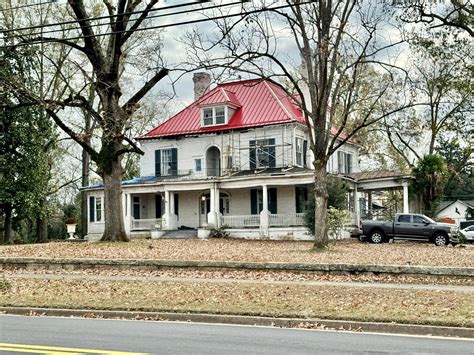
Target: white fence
{"points": [[241, 221], [286, 219], [146, 224]]}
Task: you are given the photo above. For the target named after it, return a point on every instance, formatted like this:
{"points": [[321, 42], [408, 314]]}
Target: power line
{"points": [[107, 24], [159, 26], [104, 17], [28, 5]]}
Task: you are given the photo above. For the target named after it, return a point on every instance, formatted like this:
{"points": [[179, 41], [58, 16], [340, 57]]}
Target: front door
{"points": [[204, 209]]}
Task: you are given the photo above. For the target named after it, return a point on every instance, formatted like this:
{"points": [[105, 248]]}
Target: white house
{"points": [[455, 210], [236, 158]]}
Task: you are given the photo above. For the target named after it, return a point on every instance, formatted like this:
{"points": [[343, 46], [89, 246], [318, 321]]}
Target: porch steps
{"points": [[180, 234]]}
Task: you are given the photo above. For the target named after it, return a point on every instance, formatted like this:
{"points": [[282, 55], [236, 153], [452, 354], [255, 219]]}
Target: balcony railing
{"points": [[286, 219], [241, 221], [146, 224]]}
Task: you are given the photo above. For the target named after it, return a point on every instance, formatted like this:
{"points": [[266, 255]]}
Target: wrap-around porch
{"points": [[258, 207]]}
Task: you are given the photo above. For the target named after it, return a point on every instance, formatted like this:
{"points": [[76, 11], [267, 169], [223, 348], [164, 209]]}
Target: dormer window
{"points": [[214, 116]]}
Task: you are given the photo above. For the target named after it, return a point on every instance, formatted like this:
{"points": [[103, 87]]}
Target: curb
{"points": [[73, 264], [321, 324]]}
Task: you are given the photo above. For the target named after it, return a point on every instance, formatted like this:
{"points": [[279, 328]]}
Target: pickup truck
{"points": [[409, 226]]}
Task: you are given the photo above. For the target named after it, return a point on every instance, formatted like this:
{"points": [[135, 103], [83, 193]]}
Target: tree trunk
{"points": [[85, 182], [8, 224], [320, 205], [114, 223]]}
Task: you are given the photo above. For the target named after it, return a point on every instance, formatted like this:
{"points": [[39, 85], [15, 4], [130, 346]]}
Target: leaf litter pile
{"points": [[222, 292], [345, 251], [305, 301]]}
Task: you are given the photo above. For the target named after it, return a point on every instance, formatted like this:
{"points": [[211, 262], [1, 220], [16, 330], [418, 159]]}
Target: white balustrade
{"points": [[286, 219], [241, 221], [146, 224]]}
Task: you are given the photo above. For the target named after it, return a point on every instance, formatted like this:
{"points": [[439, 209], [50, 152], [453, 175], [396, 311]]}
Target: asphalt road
{"points": [[20, 334]]}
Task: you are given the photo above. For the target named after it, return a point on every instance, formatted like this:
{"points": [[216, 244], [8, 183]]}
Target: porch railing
{"points": [[286, 219], [241, 221], [146, 224]]}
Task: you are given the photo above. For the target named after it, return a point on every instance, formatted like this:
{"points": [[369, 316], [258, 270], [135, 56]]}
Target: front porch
{"points": [[248, 210]]}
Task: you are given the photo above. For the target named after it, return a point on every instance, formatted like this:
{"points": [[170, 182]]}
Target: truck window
{"points": [[418, 219], [404, 218]]}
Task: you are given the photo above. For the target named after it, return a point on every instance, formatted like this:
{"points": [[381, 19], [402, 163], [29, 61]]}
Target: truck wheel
{"points": [[376, 237], [440, 239]]}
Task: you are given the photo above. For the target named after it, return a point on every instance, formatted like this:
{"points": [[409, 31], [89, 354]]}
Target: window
{"points": [[299, 151], [301, 198], [197, 165], [419, 219], [262, 153], [95, 209], [207, 117], [404, 218], [166, 162], [220, 115], [256, 200], [212, 116], [344, 163]]}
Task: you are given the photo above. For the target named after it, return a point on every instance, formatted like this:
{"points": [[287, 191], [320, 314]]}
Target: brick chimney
{"points": [[202, 81]]}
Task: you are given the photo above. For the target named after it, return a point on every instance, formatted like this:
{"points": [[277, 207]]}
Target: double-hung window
{"points": [[344, 162], [208, 119], [198, 165], [299, 151], [213, 116], [95, 209], [262, 153], [166, 162]]}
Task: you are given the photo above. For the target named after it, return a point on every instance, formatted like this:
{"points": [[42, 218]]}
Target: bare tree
{"points": [[101, 54], [441, 76], [453, 14], [337, 42]]}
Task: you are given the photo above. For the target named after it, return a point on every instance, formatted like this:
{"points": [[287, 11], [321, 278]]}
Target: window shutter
{"points": [[253, 201], [158, 212], [92, 209], [340, 162], [305, 148], [272, 200], [176, 204], [297, 199], [157, 162], [271, 153], [174, 161], [253, 155], [348, 163]]}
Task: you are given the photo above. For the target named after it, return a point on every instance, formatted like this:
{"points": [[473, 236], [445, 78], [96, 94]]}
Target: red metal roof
{"points": [[220, 96], [260, 103]]}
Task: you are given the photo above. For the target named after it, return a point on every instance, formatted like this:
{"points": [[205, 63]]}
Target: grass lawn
{"points": [[307, 301], [345, 251]]}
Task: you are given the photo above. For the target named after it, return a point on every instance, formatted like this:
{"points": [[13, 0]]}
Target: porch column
{"points": [[212, 215], [127, 212], [356, 206], [406, 207], [169, 218], [369, 205], [264, 218], [217, 207]]}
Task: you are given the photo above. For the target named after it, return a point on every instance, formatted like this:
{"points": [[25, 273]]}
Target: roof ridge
{"points": [[275, 96]]}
